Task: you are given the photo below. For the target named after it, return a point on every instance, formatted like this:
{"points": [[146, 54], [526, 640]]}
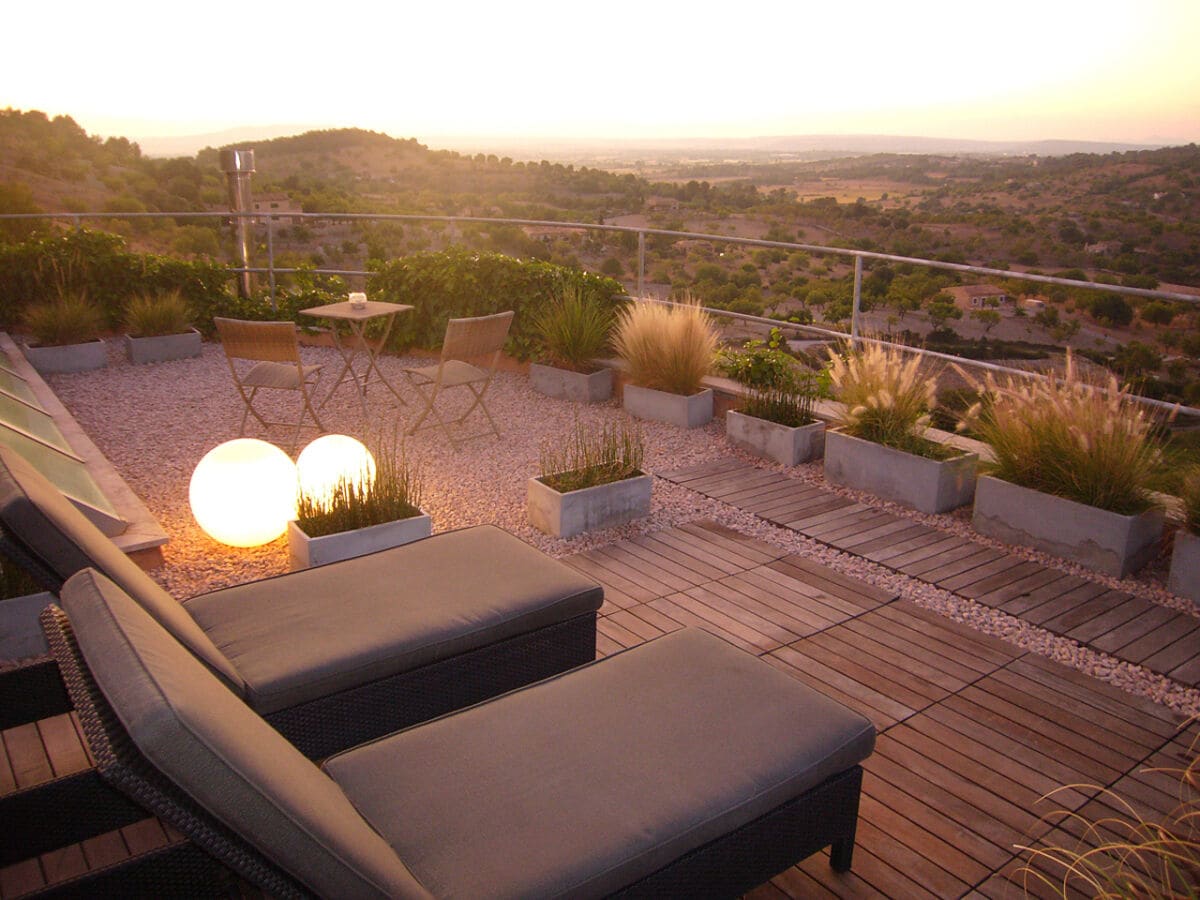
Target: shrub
{"points": [[1087, 440], [394, 493], [791, 406], [574, 328], [759, 364], [152, 315], [667, 348], [588, 459], [69, 318]]}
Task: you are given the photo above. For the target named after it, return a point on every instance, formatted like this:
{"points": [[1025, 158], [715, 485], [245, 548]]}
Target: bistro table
{"points": [[357, 317]]}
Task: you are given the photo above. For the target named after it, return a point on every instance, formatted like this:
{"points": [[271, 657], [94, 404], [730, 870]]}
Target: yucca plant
{"points": [[589, 458], [887, 395], [69, 318], [393, 493], [153, 315], [1085, 439], [574, 328], [666, 348]]}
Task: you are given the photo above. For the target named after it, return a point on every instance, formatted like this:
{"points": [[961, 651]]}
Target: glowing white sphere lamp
{"points": [[243, 492], [330, 459]]}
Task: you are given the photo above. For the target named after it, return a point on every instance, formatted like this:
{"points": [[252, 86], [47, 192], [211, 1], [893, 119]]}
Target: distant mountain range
{"points": [[613, 149]]}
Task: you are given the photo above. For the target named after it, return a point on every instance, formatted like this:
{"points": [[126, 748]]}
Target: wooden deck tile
{"points": [[1010, 575], [865, 595], [1012, 595], [938, 569], [891, 532], [1065, 603], [756, 551], [890, 550], [997, 567], [1130, 632], [1123, 608], [874, 702], [947, 544]]}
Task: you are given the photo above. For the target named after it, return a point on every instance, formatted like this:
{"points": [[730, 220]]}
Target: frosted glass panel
{"points": [[67, 473], [14, 384], [32, 421]]}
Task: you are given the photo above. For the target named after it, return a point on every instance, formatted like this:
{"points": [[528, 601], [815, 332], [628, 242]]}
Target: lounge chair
{"points": [[339, 654], [680, 767]]}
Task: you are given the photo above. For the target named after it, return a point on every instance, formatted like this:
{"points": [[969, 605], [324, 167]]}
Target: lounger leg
{"points": [[840, 854]]}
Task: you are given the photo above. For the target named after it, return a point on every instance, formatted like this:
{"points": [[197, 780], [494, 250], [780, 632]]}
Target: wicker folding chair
{"points": [[467, 341], [273, 352]]}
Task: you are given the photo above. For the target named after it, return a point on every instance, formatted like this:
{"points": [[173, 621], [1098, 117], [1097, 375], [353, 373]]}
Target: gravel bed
{"points": [[155, 422]]}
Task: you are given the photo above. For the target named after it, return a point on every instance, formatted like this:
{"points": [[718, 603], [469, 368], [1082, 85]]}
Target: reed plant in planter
{"points": [[778, 423], [66, 334], [880, 444], [1184, 578], [574, 330], [1076, 460], [360, 515], [667, 350], [592, 480], [159, 328]]}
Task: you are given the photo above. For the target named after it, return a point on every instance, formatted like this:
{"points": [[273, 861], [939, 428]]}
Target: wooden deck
{"points": [[1129, 628], [972, 731]]}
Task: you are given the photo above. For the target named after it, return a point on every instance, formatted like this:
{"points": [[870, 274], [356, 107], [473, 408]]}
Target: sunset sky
{"points": [[1110, 70]]}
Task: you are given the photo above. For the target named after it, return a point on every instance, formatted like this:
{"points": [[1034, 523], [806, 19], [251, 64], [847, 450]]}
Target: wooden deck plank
{"points": [[938, 569], [27, 755], [791, 514], [59, 865], [998, 567], [882, 709], [1128, 632], [658, 575], [1181, 629], [885, 553], [932, 859], [1011, 597], [64, 745], [21, 878], [757, 551], [1068, 608], [1123, 608], [1007, 576], [688, 613], [897, 648], [767, 494], [835, 534], [688, 569], [104, 850], [731, 605], [619, 591], [692, 473], [859, 661], [797, 612], [952, 640], [680, 542], [860, 593], [948, 544], [890, 532], [804, 523]]}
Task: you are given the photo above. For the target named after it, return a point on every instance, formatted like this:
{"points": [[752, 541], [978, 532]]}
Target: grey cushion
{"points": [[36, 514], [600, 776], [319, 631], [206, 740]]}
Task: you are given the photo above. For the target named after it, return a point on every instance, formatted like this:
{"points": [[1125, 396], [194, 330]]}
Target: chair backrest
{"points": [[262, 341], [46, 526], [234, 765], [475, 337]]}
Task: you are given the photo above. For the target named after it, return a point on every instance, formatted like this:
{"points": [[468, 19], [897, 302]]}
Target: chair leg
{"points": [[428, 405]]}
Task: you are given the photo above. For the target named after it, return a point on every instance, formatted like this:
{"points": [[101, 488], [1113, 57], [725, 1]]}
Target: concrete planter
{"points": [[582, 387], [785, 445], [927, 485], [68, 357], [674, 409], [162, 347], [308, 551], [588, 509], [21, 634], [1104, 541], [1184, 579]]}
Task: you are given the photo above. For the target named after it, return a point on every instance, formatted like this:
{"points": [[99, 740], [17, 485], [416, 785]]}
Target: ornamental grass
{"points": [[590, 458], [1083, 438], [393, 493], [69, 318], [154, 315], [1189, 493], [574, 328], [666, 348]]}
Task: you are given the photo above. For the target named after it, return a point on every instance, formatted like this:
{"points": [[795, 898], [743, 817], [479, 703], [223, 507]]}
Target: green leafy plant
{"points": [[394, 493], [759, 364], [1085, 439], [574, 327], [666, 348], [887, 395], [791, 406], [156, 314], [589, 458], [69, 318]]}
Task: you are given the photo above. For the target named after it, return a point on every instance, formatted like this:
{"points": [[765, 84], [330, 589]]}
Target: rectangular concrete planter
{"points": [[588, 509], [674, 409], [69, 357], [21, 634], [1103, 541], [308, 551], [162, 347], [581, 387], [927, 485], [1184, 580], [784, 444]]}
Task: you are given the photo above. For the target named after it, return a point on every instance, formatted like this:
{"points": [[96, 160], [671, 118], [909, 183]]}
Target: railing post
{"points": [[641, 279], [271, 258], [857, 299]]}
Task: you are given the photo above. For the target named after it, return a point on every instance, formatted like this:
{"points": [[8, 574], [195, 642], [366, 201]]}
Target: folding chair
{"points": [[480, 339], [274, 351]]}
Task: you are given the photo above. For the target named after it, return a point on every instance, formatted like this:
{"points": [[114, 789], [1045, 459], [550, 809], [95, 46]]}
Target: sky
{"points": [[1104, 70]]}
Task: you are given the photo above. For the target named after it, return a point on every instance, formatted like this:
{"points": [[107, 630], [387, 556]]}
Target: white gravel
{"points": [[155, 423]]}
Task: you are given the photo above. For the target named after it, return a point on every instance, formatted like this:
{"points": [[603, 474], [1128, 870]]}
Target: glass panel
{"points": [[67, 474], [14, 384], [32, 421]]}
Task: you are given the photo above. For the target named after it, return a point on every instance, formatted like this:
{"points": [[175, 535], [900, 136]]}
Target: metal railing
{"points": [[269, 219]]}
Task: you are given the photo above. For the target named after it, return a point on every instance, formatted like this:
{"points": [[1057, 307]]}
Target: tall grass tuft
{"points": [[1125, 855], [69, 318], [791, 405], [887, 395], [394, 493], [1085, 439], [574, 328], [589, 458], [1189, 493], [153, 315], [666, 348]]}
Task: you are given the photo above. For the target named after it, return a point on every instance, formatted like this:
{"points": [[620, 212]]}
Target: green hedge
{"points": [[459, 282]]}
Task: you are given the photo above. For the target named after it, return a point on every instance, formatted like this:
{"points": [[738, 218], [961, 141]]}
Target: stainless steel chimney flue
{"points": [[238, 166]]}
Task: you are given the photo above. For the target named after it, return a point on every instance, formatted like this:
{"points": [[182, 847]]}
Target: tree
{"points": [[1112, 310], [989, 318], [1156, 312], [612, 266], [940, 308], [1135, 360]]}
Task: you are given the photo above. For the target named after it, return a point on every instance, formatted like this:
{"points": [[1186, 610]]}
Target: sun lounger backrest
{"points": [[47, 526], [215, 748]]}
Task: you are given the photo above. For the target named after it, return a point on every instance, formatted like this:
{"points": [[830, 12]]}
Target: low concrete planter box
{"points": [[784, 444], [674, 409], [927, 485], [21, 634], [1103, 541], [1184, 579], [588, 509], [69, 357], [308, 551], [162, 347], [582, 387]]}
